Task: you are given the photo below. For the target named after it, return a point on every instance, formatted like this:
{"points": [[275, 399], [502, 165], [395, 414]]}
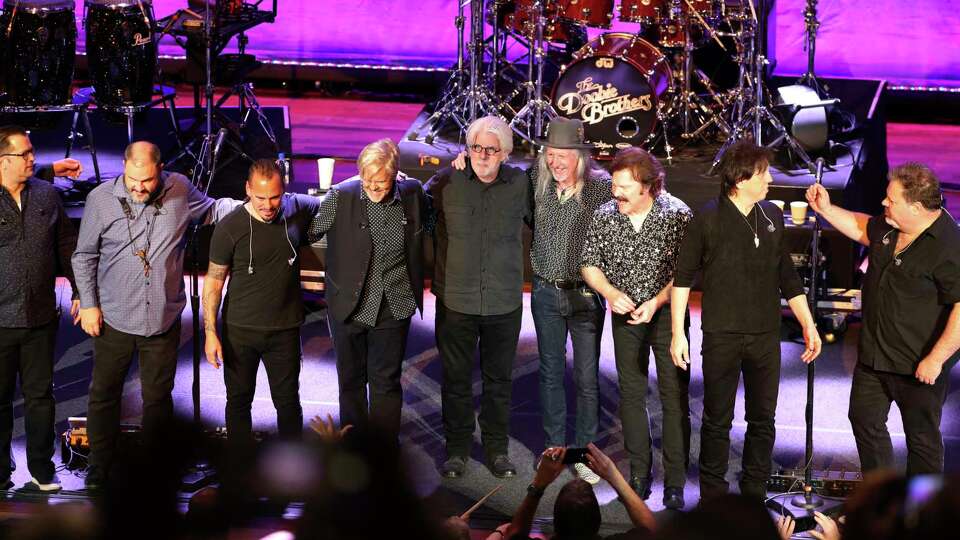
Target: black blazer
{"points": [[349, 246]]}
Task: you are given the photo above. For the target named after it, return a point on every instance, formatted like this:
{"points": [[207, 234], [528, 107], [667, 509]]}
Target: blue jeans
{"points": [[555, 313]]}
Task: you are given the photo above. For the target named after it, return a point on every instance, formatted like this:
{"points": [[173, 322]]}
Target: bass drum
{"points": [[614, 85]]}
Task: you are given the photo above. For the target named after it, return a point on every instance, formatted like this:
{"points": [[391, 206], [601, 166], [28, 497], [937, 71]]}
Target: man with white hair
{"points": [[478, 282]]}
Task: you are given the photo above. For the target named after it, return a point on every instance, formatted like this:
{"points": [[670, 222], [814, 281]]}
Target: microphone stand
{"points": [[809, 500]]}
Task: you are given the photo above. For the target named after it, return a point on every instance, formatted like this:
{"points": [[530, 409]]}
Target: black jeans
{"points": [[374, 356], [113, 353], [725, 357], [28, 353], [243, 348], [631, 348], [920, 405], [457, 337]]}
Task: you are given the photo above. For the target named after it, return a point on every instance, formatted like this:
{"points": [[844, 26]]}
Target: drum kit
{"points": [[38, 40], [640, 88]]}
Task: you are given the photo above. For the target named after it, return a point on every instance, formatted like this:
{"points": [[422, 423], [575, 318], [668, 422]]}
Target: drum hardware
{"points": [[80, 112], [811, 25], [204, 43], [758, 114], [528, 123], [466, 97]]}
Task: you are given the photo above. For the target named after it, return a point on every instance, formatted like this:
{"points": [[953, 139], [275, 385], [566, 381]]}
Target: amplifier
{"points": [[828, 483]]}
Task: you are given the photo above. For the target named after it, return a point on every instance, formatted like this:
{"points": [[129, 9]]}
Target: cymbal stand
{"points": [[811, 25], [692, 108], [528, 123], [466, 96], [759, 113]]}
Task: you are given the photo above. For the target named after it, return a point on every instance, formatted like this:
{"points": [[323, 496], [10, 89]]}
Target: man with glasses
{"points": [[129, 272], [478, 282], [374, 224], [36, 241]]}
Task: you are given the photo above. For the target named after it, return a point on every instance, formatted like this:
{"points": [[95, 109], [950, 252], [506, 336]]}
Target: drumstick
{"points": [[752, 11], [705, 25], [466, 515]]}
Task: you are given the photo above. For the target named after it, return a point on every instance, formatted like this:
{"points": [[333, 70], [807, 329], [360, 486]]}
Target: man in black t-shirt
{"points": [[911, 322], [257, 246], [736, 242]]}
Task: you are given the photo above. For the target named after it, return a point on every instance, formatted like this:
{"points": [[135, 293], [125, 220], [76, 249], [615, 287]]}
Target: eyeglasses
{"points": [[485, 150], [23, 154]]}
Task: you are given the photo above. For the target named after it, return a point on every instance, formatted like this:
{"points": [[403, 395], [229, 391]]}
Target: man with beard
{"points": [[478, 282], [129, 272]]}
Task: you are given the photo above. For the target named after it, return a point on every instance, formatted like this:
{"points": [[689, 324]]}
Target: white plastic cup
{"points": [[798, 212], [325, 172], [780, 204]]}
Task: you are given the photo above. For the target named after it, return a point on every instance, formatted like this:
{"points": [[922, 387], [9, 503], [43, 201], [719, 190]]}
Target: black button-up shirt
{"points": [[478, 239], [906, 305], [560, 227], [638, 263], [742, 281], [36, 241], [387, 282]]}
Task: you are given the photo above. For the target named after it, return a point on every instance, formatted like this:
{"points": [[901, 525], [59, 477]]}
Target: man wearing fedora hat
{"points": [[568, 186], [629, 257]]}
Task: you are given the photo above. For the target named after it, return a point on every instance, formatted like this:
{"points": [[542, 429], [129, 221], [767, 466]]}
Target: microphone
{"points": [[819, 172], [221, 135]]}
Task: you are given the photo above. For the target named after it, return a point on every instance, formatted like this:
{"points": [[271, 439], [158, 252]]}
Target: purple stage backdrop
{"points": [[907, 42]]}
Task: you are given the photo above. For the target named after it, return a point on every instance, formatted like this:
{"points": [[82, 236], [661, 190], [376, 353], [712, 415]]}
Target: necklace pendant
{"points": [[897, 262], [756, 241]]}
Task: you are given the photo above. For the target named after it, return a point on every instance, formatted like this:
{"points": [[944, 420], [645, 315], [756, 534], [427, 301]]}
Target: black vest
{"points": [[349, 246]]}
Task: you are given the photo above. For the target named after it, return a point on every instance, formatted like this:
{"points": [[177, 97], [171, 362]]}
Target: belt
{"points": [[566, 284]]}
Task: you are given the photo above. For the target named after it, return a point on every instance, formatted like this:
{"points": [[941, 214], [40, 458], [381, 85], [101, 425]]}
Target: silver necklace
{"points": [[753, 229], [898, 254]]}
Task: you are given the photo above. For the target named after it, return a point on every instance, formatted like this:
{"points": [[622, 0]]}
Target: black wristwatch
{"points": [[534, 491]]}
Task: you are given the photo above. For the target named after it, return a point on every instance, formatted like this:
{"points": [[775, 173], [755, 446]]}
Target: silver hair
{"points": [[496, 126]]}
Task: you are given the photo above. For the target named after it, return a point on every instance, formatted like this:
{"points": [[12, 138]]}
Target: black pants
{"points": [[243, 348], [28, 352], [920, 407], [725, 357], [374, 356], [457, 337], [113, 353], [631, 348]]}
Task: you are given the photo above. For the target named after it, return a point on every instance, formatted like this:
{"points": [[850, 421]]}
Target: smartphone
{"points": [[575, 455]]}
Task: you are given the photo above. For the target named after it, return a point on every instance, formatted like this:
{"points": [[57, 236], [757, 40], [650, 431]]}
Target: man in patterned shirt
{"points": [[374, 225], [257, 246], [129, 273], [629, 257], [567, 188]]}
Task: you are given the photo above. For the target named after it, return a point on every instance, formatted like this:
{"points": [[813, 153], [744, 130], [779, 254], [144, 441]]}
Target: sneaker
{"points": [[586, 474], [52, 486], [501, 466], [454, 467], [6, 484], [673, 498]]}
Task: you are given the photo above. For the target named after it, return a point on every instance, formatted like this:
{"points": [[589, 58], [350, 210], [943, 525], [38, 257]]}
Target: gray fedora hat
{"points": [[565, 133]]}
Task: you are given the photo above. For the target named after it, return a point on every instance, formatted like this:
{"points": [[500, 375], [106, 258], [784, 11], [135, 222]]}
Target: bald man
{"points": [[257, 247], [128, 266]]}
